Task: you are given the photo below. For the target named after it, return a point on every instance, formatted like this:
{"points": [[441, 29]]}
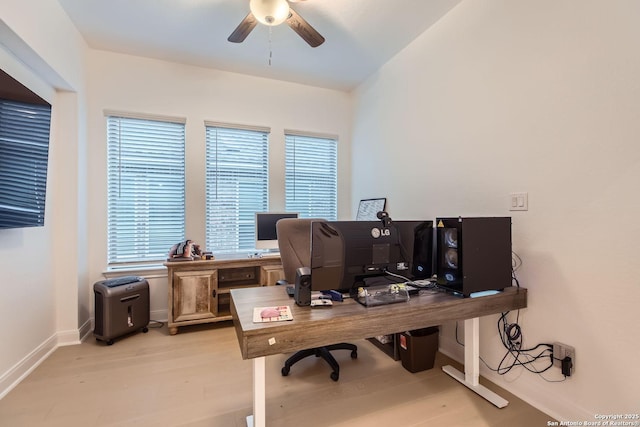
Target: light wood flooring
{"points": [[197, 378]]}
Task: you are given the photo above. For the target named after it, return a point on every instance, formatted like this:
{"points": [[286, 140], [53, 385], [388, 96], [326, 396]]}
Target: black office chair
{"points": [[294, 242]]}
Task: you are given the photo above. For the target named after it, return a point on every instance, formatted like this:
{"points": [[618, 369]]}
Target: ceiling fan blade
{"points": [[304, 30], [243, 29]]}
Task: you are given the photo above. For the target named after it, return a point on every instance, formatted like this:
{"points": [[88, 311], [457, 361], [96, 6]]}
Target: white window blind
{"points": [[237, 186], [24, 148], [146, 189], [311, 176]]}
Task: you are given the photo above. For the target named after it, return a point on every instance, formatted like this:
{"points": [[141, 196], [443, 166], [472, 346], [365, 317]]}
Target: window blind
{"points": [[24, 148], [146, 188], [311, 176], [237, 186]]}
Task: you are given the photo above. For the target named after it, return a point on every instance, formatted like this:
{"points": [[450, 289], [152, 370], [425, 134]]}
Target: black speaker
{"points": [[302, 289], [422, 266], [473, 254]]}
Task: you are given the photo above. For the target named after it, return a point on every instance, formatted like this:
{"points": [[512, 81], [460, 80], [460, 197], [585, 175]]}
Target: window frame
{"points": [[300, 175], [164, 230], [252, 186]]}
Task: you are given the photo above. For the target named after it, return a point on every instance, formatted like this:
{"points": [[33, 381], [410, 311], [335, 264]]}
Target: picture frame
{"points": [[368, 208]]}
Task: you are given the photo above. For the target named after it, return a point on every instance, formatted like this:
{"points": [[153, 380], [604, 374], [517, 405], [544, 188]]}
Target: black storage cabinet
{"points": [[121, 307]]}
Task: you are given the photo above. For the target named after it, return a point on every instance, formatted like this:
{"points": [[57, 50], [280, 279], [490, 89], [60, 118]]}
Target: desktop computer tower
{"points": [[121, 307], [473, 254]]}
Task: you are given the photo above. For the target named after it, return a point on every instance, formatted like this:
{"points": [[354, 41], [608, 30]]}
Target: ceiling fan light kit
{"points": [[275, 12], [270, 12]]}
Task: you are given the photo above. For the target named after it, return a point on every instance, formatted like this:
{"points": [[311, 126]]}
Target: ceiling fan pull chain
{"points": [[270, 50]]}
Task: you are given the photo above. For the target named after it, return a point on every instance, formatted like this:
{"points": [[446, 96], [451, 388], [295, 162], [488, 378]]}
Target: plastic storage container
{"points": [[381, 295]]}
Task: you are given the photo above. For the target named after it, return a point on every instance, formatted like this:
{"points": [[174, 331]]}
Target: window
{"points": [[146, 191], [237, 185], [311, 175]]}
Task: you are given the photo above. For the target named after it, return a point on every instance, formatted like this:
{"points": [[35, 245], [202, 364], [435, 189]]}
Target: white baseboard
{"points": [[10, 379], [159, 315], [86, 329], [70, 337], [449, 347]]}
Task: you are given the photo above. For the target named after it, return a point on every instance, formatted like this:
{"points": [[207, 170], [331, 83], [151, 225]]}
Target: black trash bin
{"points": [[418, 349]]}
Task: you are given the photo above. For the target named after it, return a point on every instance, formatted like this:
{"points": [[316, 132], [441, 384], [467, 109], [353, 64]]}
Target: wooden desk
{"points": [[351, 321]]}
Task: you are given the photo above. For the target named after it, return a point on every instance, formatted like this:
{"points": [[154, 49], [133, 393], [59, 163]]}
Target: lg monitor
{"points": [[348, 254], [266, 235]]}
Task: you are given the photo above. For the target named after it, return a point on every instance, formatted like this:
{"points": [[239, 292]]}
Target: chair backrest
{"points": [[294, 243]]}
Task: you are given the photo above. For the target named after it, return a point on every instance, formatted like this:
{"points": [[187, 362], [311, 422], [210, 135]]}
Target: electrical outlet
{"points": [[560, 351]]}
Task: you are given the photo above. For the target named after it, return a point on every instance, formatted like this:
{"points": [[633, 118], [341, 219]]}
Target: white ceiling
{"points": [[361, 35]]}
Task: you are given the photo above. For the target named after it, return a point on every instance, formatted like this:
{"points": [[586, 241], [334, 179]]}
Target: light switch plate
{"points": [[519, 202]]}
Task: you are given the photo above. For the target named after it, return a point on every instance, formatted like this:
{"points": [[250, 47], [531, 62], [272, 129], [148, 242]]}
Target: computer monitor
{"points": [[266, 235], [348, 254]]}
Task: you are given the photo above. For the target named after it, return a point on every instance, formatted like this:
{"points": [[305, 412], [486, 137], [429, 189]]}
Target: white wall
{"points": [[40, 268], [542, 97], [140, 85]]}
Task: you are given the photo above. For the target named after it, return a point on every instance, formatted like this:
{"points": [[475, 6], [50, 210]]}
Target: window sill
{"points": [[148, 271]]}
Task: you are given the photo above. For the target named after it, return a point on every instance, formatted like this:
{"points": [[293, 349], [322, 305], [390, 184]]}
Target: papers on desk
{"points": [[272, 314]]}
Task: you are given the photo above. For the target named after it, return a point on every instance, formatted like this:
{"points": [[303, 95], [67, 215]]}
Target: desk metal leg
{"points": [[471, 375], [258, 419]]}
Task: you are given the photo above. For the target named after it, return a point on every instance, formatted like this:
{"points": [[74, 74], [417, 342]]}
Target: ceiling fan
{"points": [[275, 12]]}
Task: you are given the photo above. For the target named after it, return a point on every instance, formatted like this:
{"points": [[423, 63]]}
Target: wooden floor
{"points": [[197, 378]]}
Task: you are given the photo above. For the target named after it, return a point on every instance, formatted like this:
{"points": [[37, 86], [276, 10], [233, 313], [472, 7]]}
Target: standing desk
{"points": [[350, 320]]}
